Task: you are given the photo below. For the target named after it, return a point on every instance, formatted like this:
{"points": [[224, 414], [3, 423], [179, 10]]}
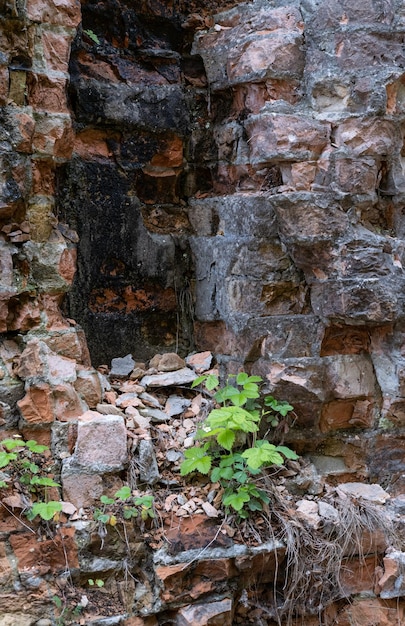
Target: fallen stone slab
{"points": [[372, 493], [170, 379], [200, 361], [109, 409], [155, 415], [175, 405]]}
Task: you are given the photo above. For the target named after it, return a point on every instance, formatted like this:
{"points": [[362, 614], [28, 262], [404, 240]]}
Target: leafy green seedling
{"points": [[232, 426], [21, 458], [45, 510], [196, 459], [124, 504]]}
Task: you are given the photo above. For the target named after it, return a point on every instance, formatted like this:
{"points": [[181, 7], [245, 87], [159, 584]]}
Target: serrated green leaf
{"points": [[288, 453], [196, 460], [237, 499], [242, 378], [239, 466], [123, 494], [270, 401], [240, 476], [198, 381], [33, 446], [252, 388], [234, 418], [202, 465], [255, 505], [146, 501], [92, 36], [227, 393], [221, 473], [10, 444], [227, 460], [226, 438], [284, 408], [212, 382], [255, 379], [263, 453], [43, 481], [197, 452], [106, 500], [45, 510], [130, 512], [240, 399], [6, 458]]}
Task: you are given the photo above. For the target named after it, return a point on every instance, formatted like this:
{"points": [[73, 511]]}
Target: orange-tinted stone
{"points": [[341, 414], [66, 402], [357, 575], [50, 305], [42, 557], [46, 93], [43, 177], [171, 155], [56, 47], [67, 264], [93, 143], [36, 406], [26, 126]]}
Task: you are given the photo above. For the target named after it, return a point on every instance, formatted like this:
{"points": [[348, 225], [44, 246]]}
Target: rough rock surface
{"points": [[220, 175]]}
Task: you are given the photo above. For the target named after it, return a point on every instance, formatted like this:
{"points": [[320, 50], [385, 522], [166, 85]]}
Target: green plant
{"points": [[125, 505], [22, 460], [229, 447], [91, 35], [67, 614], [97, 582]]}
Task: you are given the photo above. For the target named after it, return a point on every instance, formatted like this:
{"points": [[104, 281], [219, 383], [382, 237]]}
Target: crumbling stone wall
{"points": [[230, 176], [298, 264]]}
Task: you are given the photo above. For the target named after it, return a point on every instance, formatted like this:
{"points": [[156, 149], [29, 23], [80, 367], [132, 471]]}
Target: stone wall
{"points": [[223, 176], [299, 270]]}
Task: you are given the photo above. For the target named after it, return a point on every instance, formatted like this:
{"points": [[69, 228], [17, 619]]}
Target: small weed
{"points": [[23, 461], [124, 505], [229, 446], [67, 615]]}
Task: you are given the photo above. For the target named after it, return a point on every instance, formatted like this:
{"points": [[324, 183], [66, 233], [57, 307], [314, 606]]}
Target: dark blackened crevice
{"points": [[136, 89]]}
